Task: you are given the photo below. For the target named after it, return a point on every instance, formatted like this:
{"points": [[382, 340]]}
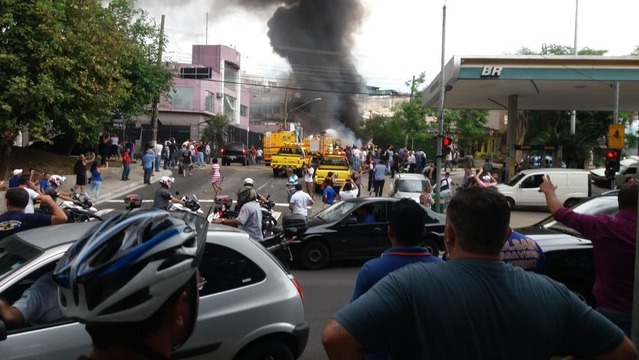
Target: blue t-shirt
{"points": [[391, 260], [380, 171], [520, 250], [366, 219], [329, 195], [417, 312], [13, 221], [44, 185], [96, 175], [147, 160]]}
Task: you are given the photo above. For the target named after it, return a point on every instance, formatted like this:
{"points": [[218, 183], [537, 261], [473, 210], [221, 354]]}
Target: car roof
{"points": [[411, 176], [52, 236], [553, 170], [334, 156]]}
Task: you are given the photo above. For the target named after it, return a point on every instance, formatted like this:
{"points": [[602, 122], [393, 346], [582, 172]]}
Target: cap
{"points": [[17, 172]]}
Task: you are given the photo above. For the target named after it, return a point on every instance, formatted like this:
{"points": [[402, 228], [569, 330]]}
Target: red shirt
{"points": [[126, 159]]}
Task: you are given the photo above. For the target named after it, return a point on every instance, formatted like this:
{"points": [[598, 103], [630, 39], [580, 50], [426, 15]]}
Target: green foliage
{"points": [[215, 131], [469, 125]]}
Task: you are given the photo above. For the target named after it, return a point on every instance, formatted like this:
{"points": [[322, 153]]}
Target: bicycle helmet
{"points": [[57, 180], [245, 195], [125, 268], [167, 180], [249, 182]]}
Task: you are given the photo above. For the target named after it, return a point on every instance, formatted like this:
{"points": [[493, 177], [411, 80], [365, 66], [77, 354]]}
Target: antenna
{"points": [[206, 35]]}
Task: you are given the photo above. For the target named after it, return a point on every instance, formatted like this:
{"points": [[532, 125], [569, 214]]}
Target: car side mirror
{"points": [[349, 221]]}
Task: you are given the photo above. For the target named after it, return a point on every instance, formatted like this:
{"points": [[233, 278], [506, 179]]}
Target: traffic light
{"points": [[613, 159], [446, 141]]}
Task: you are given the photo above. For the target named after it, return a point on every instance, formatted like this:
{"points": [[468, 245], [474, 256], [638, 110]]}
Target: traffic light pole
{"points": [[440, 120]]}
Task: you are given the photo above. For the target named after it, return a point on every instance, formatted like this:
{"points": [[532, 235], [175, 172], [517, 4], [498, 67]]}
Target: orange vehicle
{"points": [[273, 141]]}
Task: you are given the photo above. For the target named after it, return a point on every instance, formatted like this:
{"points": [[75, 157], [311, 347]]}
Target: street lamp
{"points": [[290, 111]]}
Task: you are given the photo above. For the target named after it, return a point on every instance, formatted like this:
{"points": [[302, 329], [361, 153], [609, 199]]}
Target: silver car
{"points": [[250, 308]]}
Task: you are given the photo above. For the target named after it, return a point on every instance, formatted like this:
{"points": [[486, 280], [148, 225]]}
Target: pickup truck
{"points": [[293, 156], [338, 164]]}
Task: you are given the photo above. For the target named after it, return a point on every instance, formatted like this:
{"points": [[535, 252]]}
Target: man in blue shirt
{"points": [[14, 181], [147, 164], [364, 215], [379, 173], [329, 194]]}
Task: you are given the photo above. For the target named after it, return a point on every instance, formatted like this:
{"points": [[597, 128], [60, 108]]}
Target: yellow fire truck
{"points": [[273, 141]]}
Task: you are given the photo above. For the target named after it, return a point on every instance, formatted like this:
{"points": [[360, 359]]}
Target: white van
{"points": [[572, 185]]}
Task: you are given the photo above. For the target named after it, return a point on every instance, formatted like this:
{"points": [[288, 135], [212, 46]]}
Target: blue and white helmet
{"points": [[125, 268]]}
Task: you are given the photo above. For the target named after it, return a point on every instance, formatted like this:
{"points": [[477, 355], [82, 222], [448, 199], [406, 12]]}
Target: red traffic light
{"points": [[446, 141], [612, 154]]}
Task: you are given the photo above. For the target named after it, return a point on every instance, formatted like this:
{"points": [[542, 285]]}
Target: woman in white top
{"points": [[308, 179]]}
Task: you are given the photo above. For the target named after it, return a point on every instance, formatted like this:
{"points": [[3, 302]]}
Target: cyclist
{"points": [[144, 307]]}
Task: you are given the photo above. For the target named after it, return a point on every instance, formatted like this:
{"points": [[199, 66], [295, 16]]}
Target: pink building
{"points": [[210, 85]]}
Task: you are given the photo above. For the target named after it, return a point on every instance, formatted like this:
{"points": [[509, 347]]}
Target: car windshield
{"points": [[515, 179], [335, 212], [413, 185], [14, 253], [598, 205], [334, 161]]}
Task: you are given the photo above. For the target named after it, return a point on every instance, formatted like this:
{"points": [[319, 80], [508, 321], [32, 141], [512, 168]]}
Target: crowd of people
{"points": [[405, 304]]}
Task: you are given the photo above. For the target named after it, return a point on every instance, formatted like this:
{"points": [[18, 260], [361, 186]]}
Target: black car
{"points": [[234, 152], [335, 233], [60, 143], [569, 256]]}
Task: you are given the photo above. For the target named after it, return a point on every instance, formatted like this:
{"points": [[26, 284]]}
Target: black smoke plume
{"points": [[316, 37]]}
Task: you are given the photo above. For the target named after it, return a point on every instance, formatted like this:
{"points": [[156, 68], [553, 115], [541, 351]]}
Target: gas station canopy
{"points": [[539, 82]]}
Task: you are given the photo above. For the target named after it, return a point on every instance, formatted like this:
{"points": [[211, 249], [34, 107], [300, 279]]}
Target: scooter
{"points": [[191, 205], [81, 209]]}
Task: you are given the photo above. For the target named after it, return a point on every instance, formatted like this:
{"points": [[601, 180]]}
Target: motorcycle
{"points": [[81, 209], [223, 210], [191, 205]]}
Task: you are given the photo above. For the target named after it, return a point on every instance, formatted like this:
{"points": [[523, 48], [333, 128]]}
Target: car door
{"points": [[61, 340], [528, 192], [363, 240]]}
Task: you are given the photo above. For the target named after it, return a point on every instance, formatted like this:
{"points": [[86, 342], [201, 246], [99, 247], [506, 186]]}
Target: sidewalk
{"points": [[112, 184]]}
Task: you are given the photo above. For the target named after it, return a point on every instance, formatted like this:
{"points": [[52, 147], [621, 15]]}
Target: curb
{"points": [[130, 186]]}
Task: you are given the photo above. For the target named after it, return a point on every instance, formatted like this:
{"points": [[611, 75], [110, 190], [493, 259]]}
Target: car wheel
{"points": [[432, 245], [266, 349], [276, 172], [570, 202], [244, 162], [511, 203], [318, 189], [579, 286], [314, 256]]}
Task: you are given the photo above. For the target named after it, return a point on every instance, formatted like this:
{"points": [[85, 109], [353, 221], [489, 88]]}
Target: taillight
{"points": [[222, 151], [243, 151], [297, 286]]}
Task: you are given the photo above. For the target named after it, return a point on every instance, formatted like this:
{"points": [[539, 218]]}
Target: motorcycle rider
{"points": [[248, 182], [163, 196], [250, 216], [56, 181]]}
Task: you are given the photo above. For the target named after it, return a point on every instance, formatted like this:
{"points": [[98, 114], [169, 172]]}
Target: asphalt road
{"points": [[326, 290]]}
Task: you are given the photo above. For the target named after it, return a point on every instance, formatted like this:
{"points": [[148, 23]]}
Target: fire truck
{"points": [[273, 141]]}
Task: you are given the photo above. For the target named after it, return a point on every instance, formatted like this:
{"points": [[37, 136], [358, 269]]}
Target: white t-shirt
{"points": [[158, 148], [29, 209], [348, 194], [300, 201], [308, 175]]}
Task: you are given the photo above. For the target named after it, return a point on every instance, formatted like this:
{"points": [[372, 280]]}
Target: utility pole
{"points": [[440, 120], [573, 113], [154, 114]]}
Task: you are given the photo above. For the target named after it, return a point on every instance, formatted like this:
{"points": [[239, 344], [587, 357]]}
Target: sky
{"points": [[402, 38]]}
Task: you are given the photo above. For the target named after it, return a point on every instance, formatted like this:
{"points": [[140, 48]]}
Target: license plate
{"points": [[232, 157]]}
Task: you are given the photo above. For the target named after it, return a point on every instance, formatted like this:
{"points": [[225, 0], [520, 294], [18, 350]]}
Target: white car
{"points": [[627, 168], [250, 308], [411, 185]]}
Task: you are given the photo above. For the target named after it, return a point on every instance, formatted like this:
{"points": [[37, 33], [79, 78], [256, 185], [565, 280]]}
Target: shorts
{"points": [[81, 180]]}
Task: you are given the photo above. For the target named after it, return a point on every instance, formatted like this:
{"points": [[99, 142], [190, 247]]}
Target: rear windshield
{"points": [[334, 161], [289, 150], [14, 253], [234, 146]]}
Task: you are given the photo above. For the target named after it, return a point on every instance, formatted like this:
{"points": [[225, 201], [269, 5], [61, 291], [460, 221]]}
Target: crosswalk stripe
{"points": [[200, 200]]}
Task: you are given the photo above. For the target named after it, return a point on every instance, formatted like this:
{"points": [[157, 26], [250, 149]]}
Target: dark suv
{"points": [[234, 152]]}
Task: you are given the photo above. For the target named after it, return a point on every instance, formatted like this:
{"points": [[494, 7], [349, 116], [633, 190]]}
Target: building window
{"points": [[183, 98], [229, 106], [243, 110], [231, 78], [208, 102]]}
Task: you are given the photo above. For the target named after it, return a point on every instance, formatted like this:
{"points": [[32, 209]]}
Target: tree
{"points": [[469, 125], [57, 68], [215, 131]]}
